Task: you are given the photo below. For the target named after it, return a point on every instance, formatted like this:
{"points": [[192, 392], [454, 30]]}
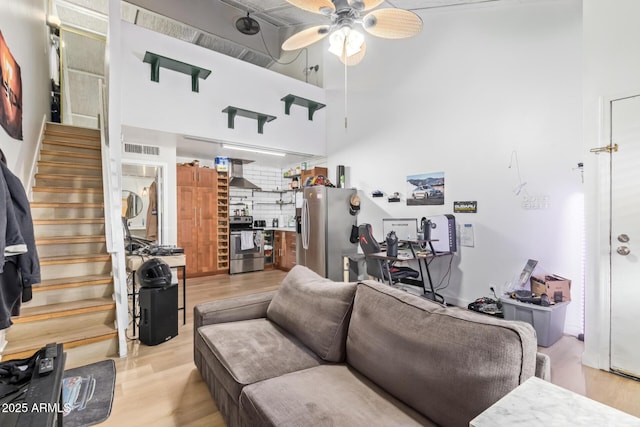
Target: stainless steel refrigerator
{"points": [[325, 230]]}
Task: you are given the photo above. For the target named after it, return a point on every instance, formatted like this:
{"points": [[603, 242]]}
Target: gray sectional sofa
{"points": [[323, 353]]}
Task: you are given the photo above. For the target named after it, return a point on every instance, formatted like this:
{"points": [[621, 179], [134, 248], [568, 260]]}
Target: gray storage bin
{"points": [[547, 321]]}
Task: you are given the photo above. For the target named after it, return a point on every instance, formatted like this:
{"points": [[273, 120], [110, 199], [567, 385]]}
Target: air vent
{"points": [[149, 150]]}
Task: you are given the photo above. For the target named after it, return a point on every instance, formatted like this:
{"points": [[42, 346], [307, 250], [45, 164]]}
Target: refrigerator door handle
{"points": [[305, 224]]}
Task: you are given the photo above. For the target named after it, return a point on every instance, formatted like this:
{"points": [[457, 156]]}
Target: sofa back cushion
{"points": [[315, 310], [447, 363]]}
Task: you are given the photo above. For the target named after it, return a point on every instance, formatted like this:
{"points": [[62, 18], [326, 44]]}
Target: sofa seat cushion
{"points": [[314, 309], [327, 395], [448, 363], [249, 351]]}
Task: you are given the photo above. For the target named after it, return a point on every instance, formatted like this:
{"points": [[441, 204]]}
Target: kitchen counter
{"points": [[280, 228]]}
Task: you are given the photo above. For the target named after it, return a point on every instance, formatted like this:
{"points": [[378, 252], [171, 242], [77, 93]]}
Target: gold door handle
{"points": [[607, 149]]}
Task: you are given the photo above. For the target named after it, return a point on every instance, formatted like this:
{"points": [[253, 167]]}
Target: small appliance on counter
{"points": [[275, 222], [260, 223]]}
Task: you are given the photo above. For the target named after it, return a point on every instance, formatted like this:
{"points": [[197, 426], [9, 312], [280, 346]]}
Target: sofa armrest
{"points": [[543, 366], [253, 306]]}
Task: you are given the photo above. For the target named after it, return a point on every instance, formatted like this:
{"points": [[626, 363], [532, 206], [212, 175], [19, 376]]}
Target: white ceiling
{"points": [[208, 24]]}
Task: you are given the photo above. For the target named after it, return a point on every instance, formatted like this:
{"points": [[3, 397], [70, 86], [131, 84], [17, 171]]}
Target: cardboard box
{"points": [[550, 284]]}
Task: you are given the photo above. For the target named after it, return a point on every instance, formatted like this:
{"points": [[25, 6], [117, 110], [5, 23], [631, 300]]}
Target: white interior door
{"points": [[625, 236]]}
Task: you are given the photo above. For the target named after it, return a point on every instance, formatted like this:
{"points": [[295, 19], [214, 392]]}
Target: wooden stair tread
{"points": [[17, 349], [62, 221], [95, 279], [41, 189], [50, 311], [69, 133], [69, 165], [59, 240], [67, 205], [72, 144], [61, 153], [68, 176], [72, 259]]}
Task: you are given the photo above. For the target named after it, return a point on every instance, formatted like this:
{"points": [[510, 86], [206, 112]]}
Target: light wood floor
{"points": [[160, 385]]}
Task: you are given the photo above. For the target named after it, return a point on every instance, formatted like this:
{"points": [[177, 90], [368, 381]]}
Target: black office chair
{"points": [[382, 269]]}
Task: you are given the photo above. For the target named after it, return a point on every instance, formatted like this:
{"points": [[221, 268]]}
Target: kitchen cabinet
{"points": [[199, 232], [285, 249]]}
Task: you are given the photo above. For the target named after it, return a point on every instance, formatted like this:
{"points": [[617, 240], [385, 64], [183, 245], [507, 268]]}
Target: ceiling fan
{"points": [[347, 42]]}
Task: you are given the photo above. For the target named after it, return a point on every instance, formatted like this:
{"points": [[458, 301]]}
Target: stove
{"points": [[240, 222], [246, 245]]}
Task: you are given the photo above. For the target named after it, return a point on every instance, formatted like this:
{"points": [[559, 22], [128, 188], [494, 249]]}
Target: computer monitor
{"points": [[405, 228]]}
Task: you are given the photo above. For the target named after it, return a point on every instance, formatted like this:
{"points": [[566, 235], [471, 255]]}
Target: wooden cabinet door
{"points": [[185, 176], [206, 178], [290, 249], [277, 248], [187, 226], [207, 230]]}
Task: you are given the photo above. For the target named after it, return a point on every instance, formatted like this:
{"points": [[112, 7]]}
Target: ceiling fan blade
{"points": [[323, 7], [306, 37], [354, 59], [365, 4], [392, 23]]}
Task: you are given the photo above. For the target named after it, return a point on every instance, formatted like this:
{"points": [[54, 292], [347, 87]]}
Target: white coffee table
{"points": [[539, 403]]}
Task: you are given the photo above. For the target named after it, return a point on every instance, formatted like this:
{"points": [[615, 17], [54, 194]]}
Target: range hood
{"points": [[237, 179]]}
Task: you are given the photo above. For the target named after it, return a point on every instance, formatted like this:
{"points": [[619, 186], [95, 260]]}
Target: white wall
{"points": [[294, 64], [171, 106], [611, 68], [478, 83], [24, 29]]}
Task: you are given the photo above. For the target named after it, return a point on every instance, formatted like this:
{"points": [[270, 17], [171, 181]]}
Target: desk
{"points": [[425, 257], [422, 258], [539, 403], [173, 261]]}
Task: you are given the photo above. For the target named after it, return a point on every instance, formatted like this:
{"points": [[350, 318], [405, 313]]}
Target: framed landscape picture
{"points": [[425, 189]]}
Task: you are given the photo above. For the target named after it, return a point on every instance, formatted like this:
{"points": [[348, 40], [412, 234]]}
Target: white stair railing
{"points": [[31, 177], [113, 225]]}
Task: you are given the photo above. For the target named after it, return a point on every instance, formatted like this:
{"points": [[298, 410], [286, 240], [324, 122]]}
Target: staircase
{"points": [[73, 304]]}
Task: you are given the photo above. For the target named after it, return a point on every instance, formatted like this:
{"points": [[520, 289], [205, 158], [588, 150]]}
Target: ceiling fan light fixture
{"points": [[345, 42]]}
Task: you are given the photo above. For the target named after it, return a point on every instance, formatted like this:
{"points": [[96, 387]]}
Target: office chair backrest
{"points": [[369, 245]]}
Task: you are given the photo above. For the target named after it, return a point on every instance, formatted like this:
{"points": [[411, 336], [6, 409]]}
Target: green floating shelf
{"points": [[158, 61], [312, 106], [235, 111]]}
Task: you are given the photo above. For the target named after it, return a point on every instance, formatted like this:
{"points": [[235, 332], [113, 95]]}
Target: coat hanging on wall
{"points": [[20, 266]]}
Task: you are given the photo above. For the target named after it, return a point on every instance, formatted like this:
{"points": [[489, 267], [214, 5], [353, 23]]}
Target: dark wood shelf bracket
{"points": [[159, 61], [232, 112], [312, 106]]}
